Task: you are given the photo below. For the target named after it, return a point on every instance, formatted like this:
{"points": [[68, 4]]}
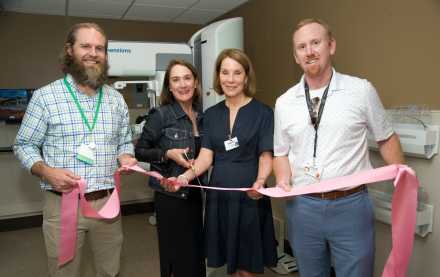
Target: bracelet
{"points": [[184, 176]]}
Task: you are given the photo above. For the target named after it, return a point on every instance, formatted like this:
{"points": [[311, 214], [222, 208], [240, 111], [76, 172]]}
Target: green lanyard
{"points": [[80, 109]]}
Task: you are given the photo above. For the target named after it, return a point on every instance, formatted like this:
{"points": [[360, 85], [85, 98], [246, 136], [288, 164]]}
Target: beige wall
{"points": [[394, 43], [30, 44]]}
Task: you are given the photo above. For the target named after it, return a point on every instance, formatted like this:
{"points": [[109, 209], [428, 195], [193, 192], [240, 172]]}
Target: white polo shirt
{"points": [[351, 110]]}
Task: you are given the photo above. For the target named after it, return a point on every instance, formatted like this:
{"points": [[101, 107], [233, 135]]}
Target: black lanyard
{"points": [[321, 109]]}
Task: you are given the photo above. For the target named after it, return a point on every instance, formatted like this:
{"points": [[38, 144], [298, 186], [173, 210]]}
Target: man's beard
{"points": [[313, 70], [91, 76]]}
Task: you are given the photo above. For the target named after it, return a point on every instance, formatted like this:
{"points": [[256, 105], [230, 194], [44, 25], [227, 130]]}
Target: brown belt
{"points": [[90, 196], [335, 194]]}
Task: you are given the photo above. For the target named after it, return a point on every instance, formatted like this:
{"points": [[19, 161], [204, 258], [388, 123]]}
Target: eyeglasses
{"points": [[315, 110]]}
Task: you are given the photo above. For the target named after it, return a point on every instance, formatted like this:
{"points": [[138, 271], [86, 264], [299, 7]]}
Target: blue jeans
{"points": [[332, 232]]}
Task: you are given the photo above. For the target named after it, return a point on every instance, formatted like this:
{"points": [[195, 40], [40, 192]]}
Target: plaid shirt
{"points": [[52, 130]]}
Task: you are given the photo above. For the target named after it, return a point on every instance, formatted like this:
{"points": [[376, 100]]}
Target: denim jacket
{"points": [[167, 127]]}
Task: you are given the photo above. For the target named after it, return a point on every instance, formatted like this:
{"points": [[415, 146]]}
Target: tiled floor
{"points": [[22, 252]]}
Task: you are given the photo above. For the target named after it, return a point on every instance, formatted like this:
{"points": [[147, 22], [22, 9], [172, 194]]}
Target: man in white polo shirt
{"points": [[321, 129]]}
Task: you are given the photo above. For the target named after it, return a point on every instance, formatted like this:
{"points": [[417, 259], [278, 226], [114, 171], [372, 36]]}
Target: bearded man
{"points": [[78, 127]]}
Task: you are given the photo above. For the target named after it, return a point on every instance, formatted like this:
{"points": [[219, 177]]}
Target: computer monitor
{"points": [[13, 104]]}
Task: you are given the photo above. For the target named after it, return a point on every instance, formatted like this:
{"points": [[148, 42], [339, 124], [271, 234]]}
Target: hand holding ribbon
{"points": [[253, 193], [126, 161], [404, 204]]}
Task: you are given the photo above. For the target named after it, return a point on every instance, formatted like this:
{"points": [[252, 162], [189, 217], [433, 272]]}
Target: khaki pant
{"points": [[105, 237]]}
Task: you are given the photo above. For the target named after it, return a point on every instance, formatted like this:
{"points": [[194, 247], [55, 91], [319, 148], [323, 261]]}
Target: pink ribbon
{"points": [[69, 216], [404, 204]]}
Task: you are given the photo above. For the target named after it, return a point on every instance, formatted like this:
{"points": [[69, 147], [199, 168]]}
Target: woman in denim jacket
{"points": [[170, 140]]}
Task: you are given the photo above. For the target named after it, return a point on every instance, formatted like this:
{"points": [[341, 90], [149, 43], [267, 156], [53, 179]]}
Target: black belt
{"points": [[90, 196], [335, 194]]}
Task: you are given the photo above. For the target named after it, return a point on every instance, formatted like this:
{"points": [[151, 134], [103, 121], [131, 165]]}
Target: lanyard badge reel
{"points": [[311, 168]]}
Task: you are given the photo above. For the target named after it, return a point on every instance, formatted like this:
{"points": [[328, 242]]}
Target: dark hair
{"points": [[166, 97], [240, 57], [66, 60]]}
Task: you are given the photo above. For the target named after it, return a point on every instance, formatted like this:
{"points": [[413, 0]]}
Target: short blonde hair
{"points": [[308, 21], [240, 57]]}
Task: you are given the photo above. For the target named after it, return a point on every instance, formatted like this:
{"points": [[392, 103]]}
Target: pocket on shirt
{"points": [[177, 138], [112, 124], [61, 126]]}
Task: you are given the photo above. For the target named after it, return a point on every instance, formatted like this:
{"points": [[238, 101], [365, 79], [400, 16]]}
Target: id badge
{"points": [[231, 144], [313, 171], [86, 153]]}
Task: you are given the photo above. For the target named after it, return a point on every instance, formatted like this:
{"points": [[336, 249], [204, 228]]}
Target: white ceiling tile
{"points": [[181, 11], [101, 2], [39, 7], [151, 13], [196, 16], [224, 5], [167, 3], [98, 8], [95, 15]]}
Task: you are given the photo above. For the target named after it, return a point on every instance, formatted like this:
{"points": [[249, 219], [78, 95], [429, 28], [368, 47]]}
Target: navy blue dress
{"points": [[239, 230]]}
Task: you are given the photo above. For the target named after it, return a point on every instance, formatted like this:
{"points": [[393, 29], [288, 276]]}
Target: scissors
{"points": [[193, 169]]}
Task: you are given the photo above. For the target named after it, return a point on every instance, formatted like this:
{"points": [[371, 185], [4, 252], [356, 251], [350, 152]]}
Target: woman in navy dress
{"points": [[238, 143]]}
